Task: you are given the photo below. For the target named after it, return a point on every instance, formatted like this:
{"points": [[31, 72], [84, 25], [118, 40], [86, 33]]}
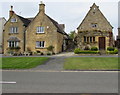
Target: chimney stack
{"points": [[42, 7], [11, 12]]}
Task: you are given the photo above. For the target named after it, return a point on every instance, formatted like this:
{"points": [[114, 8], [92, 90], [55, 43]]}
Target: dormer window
{"points": [[13, 20]]}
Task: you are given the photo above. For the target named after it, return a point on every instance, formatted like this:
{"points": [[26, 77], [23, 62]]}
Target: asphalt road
{"points": [[60, 82]]}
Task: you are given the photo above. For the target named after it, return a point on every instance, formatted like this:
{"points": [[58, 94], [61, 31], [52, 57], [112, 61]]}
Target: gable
{"points": [[95, 20], [9, 20], [41, 19]]}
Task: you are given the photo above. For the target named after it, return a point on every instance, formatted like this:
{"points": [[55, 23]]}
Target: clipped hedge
{"points": [[89, 52], [94, 49], [113, 52], [78, 51], [110, 49]]}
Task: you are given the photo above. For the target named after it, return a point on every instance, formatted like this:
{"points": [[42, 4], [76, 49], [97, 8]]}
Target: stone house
{"points": [[94, 31], [13, 35], [2, 22], [33, 34]]}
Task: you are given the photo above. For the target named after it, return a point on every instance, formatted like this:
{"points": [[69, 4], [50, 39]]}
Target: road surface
{"points": [[60, 82]]}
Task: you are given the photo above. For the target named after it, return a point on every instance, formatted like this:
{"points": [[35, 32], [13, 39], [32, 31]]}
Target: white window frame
{"points": [[13, 20], [40, 29], [13, 44], [40, 44], [13, 29]]}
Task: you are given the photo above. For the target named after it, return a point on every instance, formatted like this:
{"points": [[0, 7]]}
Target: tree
{"points": [[71, 34]]}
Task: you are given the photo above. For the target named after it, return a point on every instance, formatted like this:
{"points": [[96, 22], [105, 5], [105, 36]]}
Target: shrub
{"points": [[76, 51], [110, 48], [86, 48], [88, 52], [116, 51], [113, 52], [94, 49], [48, 53], [50, 48], [42, 53]]}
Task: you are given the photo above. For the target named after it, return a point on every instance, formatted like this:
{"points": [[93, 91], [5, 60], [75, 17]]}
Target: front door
{"points": [[101, 43]]}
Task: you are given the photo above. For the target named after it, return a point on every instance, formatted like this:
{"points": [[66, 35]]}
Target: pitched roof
{"points": [[58, 26], [30, 18], [94, 5], [24, 20], [13, 39]]}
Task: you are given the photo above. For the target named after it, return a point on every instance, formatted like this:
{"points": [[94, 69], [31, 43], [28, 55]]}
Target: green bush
{"points": [[89, 52], [94, 49], [76, 51], [86, 48], [48, 53], [50, 48], [110, 49], [42, 53], [113, 52]]}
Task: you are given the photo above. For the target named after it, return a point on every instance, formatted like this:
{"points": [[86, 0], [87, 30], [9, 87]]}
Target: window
{"points": [[13, 20], [90, 39], [13, 29], [94, 25], [84, 39], [40, 44], [87, 39], [40, 30], [93, 39], [12, 44]]}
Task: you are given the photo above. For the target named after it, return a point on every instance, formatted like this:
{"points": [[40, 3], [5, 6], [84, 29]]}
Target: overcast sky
{"points": [[68, 12]]}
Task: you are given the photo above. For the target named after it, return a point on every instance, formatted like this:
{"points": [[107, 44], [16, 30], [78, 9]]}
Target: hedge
{"points": [[113, 52], [89, 52]]}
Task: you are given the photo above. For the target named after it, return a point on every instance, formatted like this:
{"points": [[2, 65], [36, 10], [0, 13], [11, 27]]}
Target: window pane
{"points": [[90, 39], [13, 20], [37, 44], [93, 39], [40, 43], [87, 39], [84, 39], [40, 30]]}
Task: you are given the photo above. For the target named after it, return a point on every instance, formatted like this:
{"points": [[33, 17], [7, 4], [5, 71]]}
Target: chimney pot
{"points": [[11, 12]]}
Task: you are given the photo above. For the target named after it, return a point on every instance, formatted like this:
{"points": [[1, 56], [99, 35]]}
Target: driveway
{"points": [[53, 64]]}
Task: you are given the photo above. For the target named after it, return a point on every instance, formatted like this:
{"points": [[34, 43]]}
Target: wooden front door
{"points": [[101, 43]]}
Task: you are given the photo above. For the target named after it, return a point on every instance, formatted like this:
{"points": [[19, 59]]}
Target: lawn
{"points": [[91, 63], [22, 62]]}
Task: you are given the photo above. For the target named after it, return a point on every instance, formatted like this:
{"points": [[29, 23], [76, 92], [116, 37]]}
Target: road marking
{"points": [[57, 71], [7, 82]]}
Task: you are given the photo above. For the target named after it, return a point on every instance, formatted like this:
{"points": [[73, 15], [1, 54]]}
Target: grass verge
{"points": [[91, 63], [22, 62]]}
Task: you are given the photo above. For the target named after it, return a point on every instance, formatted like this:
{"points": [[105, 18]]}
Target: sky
{"points": [[68, 12]]}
